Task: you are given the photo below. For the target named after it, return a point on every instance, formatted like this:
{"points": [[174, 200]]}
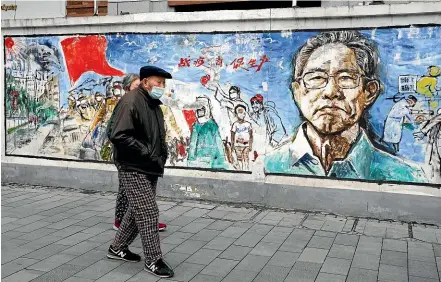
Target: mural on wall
{"points": [[346, 104]]}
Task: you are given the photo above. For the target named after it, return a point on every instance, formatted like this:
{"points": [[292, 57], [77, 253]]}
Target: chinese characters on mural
{"points": [[343, 104]]}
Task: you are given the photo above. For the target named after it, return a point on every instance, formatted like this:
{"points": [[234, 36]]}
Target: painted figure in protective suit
{"points": [[426, 85], [98, 126], [206, 146], [432, 129]]}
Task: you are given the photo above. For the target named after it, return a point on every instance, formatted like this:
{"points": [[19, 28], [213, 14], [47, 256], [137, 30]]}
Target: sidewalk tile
{"points": [[272, 273], [265, 249], [392, 273], [362, 275], [235, 252], [340, 251], [203, 256], [346, 240], [60, 273], [16, 265], [327, 277], [304, 271], [24, 275], [219, 267], [285, 259], [253, 263], [336, 266], [206, 278], [186, 271], [395, 245], [366, 261], [98, 269], [423, 269], [393, 258], [175, 259], [189, 247], [313, 255], [237, 275], [320, 242]]}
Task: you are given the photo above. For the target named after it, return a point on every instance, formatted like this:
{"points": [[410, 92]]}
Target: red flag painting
{"points": [[190, 118], [87, 53]]}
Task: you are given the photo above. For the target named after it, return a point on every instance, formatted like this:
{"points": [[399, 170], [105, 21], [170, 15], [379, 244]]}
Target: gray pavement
{"points": [[51, 234]]}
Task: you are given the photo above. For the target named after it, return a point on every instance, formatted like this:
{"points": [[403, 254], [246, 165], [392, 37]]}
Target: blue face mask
{"points": [[156, 92]]}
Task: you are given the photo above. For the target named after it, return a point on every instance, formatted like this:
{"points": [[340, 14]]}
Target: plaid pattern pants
{"points": [[142, 215], [122, 204]]}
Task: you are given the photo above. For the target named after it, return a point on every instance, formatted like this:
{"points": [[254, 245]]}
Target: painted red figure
{"points": [[181, 149], [14, 99]]}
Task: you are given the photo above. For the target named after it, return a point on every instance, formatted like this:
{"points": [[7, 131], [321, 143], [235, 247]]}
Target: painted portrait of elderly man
{"points": [[335, 79]]}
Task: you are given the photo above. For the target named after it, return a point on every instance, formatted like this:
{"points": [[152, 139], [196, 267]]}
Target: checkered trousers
{"points": [[142, 215], [122, 204]]}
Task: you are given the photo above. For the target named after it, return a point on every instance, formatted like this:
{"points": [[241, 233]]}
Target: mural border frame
{"points": [[5, 35]]}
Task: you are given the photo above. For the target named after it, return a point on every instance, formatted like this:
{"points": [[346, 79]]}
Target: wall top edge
{"points": [[255, 15]]}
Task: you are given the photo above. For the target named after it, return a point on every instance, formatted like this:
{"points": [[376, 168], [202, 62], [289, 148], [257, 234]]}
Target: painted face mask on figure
{"points": [[118, 93], [240, 112], [200, 112], [233, 94], [203, 113]]}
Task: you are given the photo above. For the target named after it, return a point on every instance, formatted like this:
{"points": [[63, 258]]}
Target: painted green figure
{"points": [[206, 147]]}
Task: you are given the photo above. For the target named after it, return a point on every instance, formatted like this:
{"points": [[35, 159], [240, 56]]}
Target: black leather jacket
{"points": [[137, 132]]}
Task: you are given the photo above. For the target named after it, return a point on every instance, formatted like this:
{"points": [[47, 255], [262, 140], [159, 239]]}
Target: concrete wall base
{"points": [[382, 205]]}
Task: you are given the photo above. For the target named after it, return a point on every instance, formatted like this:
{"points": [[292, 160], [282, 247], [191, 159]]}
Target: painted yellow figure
{"points": [[72, 104], [172, 128], [426, 85], [103, 115], [84, 112], [104, 112]]}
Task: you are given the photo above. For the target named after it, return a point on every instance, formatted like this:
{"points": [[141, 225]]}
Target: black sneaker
{"points": [[159, 268], [125, 255]]}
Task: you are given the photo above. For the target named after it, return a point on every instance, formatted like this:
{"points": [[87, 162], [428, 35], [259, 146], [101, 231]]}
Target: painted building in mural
{"points": [[352, 104]]}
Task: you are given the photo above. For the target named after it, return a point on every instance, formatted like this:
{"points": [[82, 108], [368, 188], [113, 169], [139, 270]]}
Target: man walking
{"points": [[137, 132]]}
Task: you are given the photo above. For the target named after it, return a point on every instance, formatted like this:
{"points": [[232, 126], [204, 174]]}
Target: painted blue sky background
{"points": [[402, 51]]}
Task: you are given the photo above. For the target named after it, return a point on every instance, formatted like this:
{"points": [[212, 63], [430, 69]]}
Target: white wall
{"points": [[270, 19], [138, 6], [35, 9]]}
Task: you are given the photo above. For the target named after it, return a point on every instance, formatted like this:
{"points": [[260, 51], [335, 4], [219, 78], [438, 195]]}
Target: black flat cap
{"points": [[147, 71]]}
